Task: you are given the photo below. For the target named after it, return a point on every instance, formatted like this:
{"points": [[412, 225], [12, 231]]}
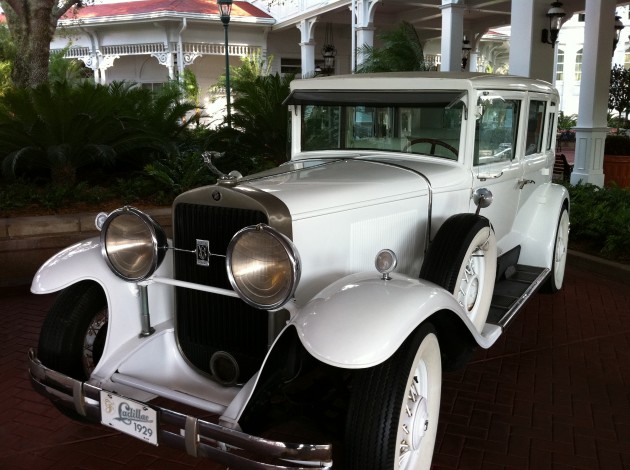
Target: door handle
{"points": [[489, 176], [522, 183]]}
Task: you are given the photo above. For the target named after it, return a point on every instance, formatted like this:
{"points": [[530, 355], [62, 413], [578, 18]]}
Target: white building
{"points": [[570, 50]]}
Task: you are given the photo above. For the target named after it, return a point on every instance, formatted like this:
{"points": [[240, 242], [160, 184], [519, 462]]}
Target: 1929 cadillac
{"points": [[415, 218]]}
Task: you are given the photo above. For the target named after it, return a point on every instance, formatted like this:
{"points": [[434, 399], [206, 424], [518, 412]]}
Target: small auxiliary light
{"points": [[385, 263]]}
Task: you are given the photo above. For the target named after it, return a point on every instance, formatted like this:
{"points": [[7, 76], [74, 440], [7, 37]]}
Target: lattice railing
{"points": [[216, 49], [159, 47]]}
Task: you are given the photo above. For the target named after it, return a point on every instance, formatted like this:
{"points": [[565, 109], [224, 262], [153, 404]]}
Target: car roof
{"points": [[408, 81]]}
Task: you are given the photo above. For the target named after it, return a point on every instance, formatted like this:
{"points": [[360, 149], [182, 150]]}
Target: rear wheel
{"points": [[559, 261], [394, 408], [463, 260]]}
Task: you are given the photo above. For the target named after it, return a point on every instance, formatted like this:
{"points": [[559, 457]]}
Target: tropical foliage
{"points": [[32, 24], [401, 51], [7, 53], [61, 128], [600, 220], [259, 135], [619, 92], [67, 70], [565, 122]]}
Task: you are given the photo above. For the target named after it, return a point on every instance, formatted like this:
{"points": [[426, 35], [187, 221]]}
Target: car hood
{"points": [[317, 186]]}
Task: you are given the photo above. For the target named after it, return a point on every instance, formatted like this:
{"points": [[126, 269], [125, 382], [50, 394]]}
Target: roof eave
{"points": [[162, 15]]}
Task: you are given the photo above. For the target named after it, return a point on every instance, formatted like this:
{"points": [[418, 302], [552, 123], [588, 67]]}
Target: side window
{"points": [[535, 126], [321, 127], [497, 125], [551, 130]]}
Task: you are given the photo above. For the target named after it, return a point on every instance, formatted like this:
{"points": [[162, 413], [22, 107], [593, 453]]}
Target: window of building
{"points": [[153, 86], [578, 65], [294, 66], [560, 65], [626, 59]]}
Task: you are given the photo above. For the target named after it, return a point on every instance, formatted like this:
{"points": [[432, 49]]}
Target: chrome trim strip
{"points": [[192, 285], [198, 437], [516, 307]]}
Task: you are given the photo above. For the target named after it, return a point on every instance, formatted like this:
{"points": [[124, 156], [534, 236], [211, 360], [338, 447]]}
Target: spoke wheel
{"points": [[463, 260], [394, 408], [559, 261], [73, 334]]}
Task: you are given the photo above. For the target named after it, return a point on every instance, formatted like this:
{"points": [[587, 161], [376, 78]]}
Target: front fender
{"points": [[361, 320], [84, 262], [79, 262]]}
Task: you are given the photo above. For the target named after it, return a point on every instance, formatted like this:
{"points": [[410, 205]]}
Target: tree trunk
{"points": [[32, 24]]}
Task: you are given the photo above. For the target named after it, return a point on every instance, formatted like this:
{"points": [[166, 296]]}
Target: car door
{"points": [[496, 165], [539, 144]]}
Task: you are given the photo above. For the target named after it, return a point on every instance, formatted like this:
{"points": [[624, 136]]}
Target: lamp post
{"points": [[225, 9]]}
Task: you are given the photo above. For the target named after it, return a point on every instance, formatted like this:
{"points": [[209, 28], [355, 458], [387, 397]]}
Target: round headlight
{"points": [[132, 243], [263, 266]]}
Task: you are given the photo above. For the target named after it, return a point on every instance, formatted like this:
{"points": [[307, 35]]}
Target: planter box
{"points": [[617, 170]]}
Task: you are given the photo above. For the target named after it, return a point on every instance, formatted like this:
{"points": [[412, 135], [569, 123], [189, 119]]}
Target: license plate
{"points": [[129, 416]]}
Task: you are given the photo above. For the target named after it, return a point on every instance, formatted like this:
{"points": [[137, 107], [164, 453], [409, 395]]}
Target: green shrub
{"points": [[600, 218], [61, 127], [178, 173], [617, 145]]}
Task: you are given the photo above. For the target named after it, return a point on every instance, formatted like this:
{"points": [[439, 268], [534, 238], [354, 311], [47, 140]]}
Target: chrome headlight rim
{"points": [[292, 257], [156, 237]]}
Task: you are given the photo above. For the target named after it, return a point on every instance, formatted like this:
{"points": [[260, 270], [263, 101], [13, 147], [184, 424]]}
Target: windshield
{"points": [[428, 124]]}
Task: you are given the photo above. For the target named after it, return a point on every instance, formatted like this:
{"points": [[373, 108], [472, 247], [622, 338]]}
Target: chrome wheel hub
{"points": [[99, 320], [471, 281], [415, 418]]}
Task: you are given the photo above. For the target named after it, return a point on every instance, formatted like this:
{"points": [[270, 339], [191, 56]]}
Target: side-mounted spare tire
{"points": [[462, 259]]}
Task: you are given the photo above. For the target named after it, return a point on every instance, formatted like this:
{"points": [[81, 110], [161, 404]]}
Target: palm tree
{"points": [[259, 135], [401, 51]]}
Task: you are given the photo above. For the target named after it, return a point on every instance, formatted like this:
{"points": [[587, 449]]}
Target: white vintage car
{"points": [[414, 220]]}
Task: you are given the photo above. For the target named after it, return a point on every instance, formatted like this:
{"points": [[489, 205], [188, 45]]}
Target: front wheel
{"points": [[72, 337], [394, 408]]}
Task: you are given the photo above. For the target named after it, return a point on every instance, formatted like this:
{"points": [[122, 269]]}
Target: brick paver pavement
{"points": [[554, 392]]}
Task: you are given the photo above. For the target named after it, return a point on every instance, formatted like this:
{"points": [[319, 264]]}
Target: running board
{"points": [[512, 291]]}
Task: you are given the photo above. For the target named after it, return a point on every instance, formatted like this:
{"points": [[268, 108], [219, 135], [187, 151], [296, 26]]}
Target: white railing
{"points": [[73, 52], [158, 47], [216, 49], [134, 49]]}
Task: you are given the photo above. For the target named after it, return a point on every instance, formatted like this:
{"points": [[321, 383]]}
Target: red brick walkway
{"points": [[554, 393]]}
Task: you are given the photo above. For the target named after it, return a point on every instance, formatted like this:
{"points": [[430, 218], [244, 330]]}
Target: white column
{"points": [[529, 56], [452, 35], [473, 57], [307, 46], [365, 36], [363, 30], [592, 127]]}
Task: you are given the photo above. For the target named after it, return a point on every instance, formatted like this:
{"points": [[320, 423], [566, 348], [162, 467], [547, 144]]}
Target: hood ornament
{"points": [[228, 180]]}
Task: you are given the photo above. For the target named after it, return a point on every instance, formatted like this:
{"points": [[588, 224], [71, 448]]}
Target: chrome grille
{"points": [[206, 322]]}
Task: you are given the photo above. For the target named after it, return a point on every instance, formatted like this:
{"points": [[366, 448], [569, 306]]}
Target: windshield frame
{"points": [[426, 122]]}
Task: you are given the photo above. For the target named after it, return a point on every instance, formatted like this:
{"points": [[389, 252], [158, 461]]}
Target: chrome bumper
{"points": [[197, 437]]}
